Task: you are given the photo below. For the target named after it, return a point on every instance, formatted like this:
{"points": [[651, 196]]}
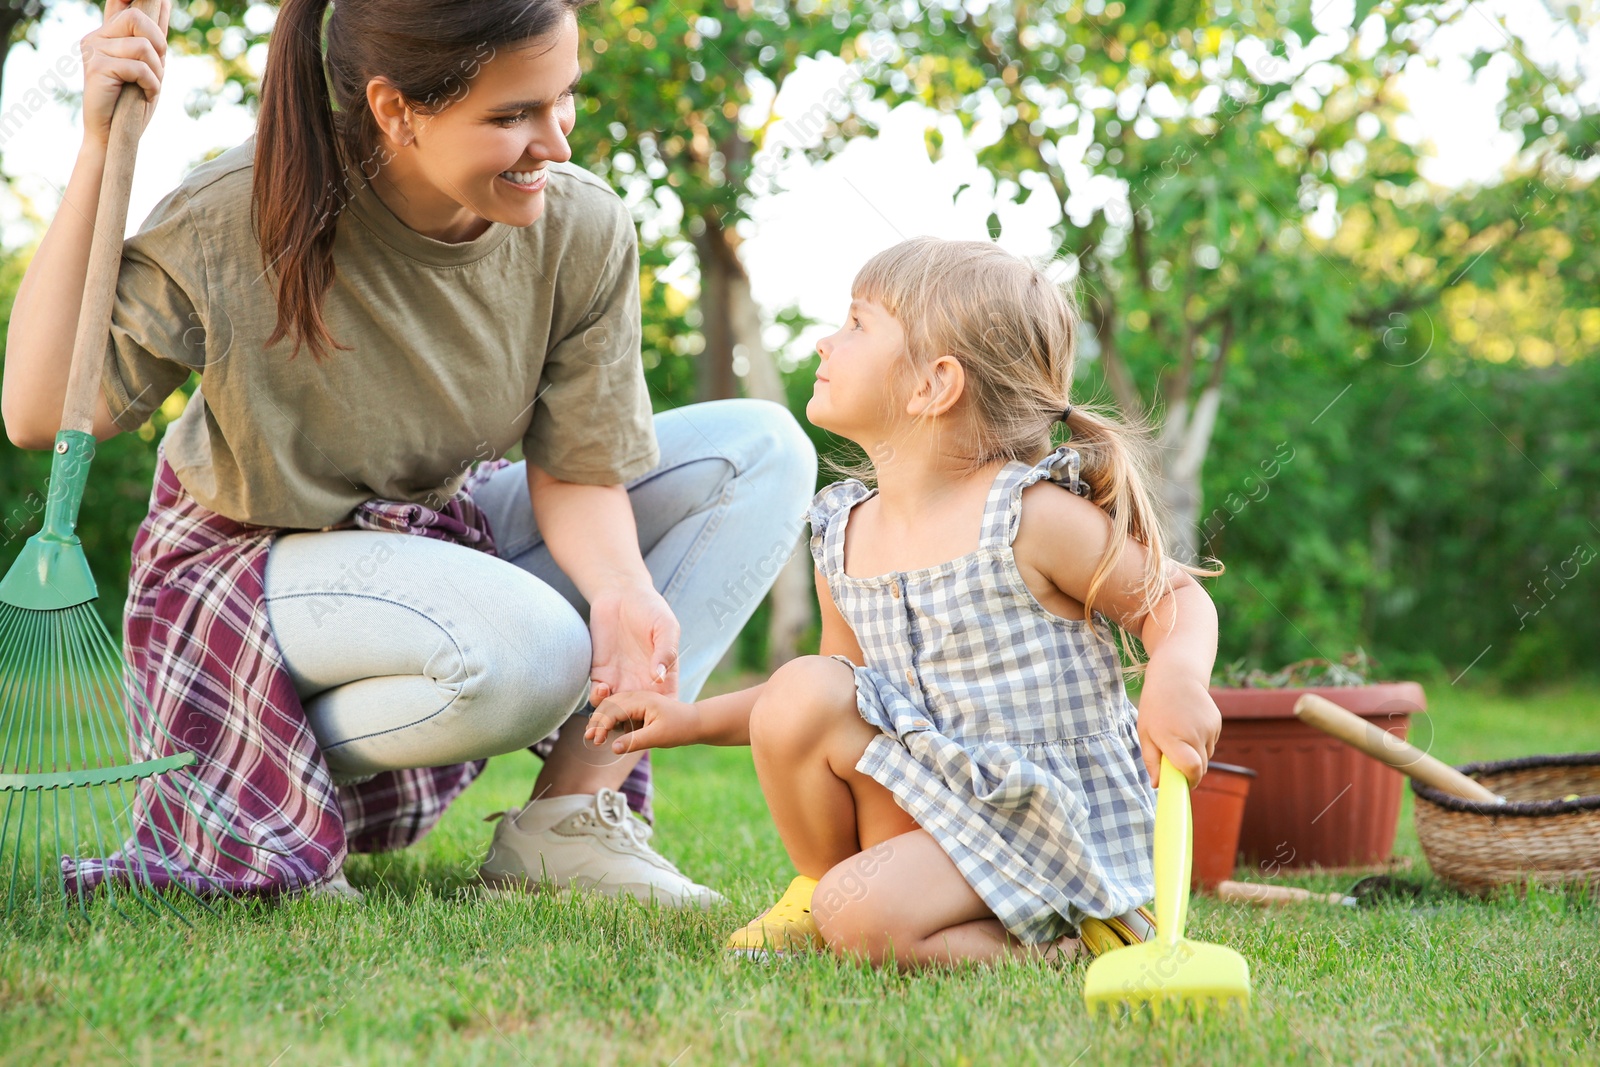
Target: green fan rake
{"points": [[81, 769]]}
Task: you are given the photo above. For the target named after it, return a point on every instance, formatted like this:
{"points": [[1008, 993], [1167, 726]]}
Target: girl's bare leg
{"points": [[805, 738], [904, 900], [887, 890]]}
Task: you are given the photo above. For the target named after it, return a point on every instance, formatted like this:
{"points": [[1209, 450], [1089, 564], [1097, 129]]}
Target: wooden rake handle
{"points": [[1385, 747], [105, 252], [1260, 893]]}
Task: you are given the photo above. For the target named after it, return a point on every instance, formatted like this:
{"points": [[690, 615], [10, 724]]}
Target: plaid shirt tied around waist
{"points": [[259, 812]]}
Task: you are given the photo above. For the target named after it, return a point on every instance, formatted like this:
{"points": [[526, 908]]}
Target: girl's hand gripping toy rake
{"points": [[1169, 970]]}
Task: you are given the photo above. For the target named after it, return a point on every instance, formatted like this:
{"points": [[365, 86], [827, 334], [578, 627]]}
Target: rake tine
{"points": [[36, 749], [183, 775], [136, 889], [107, 742], [81, 704], [134, 886], [176, 875], [82, 710], [16, 684], [24, 758], [88, 671], [55, 688], [114, 798], [59, 684], [155, 836], [110, 692], [33, 687]]}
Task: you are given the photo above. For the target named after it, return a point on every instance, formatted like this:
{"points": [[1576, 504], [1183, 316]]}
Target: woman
{"points": [[376, 299]]}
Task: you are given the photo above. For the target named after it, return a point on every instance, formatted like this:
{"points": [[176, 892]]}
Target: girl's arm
{"points": [[1176, 712], [719, 720], [663, 722], [1059, 544], [128, 47]]}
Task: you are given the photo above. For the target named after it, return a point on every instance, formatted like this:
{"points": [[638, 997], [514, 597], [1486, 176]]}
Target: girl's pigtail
{"points": [[1117, 462]]}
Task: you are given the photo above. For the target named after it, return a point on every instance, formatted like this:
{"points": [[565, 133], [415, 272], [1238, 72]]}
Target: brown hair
{"points": [[1015, 333], [310, 159]]}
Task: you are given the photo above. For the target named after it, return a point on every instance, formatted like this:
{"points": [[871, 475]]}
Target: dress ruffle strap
{"points": [[1060, 466], [830, 502]]}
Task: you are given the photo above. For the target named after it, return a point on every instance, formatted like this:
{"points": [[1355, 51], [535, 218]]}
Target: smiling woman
{"points": [[452, 120], [407, 211]]}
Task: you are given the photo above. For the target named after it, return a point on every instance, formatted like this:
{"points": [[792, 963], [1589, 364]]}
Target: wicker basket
{"points": [[1535, 835]]}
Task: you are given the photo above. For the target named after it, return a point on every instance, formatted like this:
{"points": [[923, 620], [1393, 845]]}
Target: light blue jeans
{"points": [[413, 652]]}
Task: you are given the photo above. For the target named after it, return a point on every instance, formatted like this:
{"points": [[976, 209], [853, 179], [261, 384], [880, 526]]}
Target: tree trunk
{"points": [[731, 325], [717, 269], [1186, 427], [1184, 439]]}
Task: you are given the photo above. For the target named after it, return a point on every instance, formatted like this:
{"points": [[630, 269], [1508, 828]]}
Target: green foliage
{"points": [[665, 89], [1438, 514], [666, 116], [1372, 479], [1356, 668]]}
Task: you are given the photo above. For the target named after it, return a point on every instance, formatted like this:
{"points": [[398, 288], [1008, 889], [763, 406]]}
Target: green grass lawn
{"points": [[426, 972]]}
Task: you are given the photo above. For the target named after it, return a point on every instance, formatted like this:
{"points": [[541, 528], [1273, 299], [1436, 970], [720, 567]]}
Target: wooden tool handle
{"points": [[1260, 893], [105, 251], [1385, 747]]}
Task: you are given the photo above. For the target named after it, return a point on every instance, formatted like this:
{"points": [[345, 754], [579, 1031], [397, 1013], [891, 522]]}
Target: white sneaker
{"points": [[586, 841], [337, 886]]}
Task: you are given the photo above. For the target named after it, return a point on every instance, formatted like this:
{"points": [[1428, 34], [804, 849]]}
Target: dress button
{"points": [[911, 677], [894, 591]]}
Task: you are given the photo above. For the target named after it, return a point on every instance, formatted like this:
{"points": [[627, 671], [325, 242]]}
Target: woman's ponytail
{"points": [[297, 194]]}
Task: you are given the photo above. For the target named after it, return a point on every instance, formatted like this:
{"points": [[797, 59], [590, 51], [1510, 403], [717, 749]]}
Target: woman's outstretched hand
{"points": [[658, 722], [129, 46], [1177, 717], [635, 641]]}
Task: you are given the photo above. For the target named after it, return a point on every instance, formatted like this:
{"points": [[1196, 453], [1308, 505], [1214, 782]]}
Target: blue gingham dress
{"points": [[1007, 733]]}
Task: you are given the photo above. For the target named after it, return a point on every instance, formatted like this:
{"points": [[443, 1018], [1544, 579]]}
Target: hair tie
{"points": [[1067, 411]]}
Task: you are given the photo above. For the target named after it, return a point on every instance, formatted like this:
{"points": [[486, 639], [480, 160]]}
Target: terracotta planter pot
{"points": [[1315, 800], [1218, 804]]}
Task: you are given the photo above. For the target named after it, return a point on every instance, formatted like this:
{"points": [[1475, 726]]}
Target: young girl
{"points": [[957, 776]]}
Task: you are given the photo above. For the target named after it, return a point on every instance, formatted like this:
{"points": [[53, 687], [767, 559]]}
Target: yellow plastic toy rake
{"points": [[1169, 970]]}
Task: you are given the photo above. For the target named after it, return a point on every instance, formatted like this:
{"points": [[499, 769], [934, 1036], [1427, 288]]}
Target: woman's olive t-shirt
{"points": [[457, 351]]}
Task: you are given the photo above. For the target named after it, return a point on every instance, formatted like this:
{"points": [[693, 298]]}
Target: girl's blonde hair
{"points": [[1015, 333]]}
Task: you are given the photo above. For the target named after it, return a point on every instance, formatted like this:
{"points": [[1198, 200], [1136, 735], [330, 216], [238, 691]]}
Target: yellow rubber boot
{"points": [[1100, 936], [784, 929]]}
